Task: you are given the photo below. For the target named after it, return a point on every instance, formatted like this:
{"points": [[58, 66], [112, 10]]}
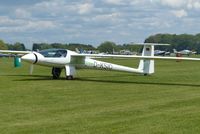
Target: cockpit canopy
{"points": [[53, 53]]}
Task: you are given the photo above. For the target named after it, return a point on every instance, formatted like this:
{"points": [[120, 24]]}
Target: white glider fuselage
{"points": [[78, 62]]}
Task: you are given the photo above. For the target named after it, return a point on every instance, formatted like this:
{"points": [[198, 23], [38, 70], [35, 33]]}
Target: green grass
{"points": [[167, 102]]}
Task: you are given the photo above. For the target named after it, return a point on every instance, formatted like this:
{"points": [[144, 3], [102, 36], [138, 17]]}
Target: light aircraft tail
{"points": [[174, 50]]}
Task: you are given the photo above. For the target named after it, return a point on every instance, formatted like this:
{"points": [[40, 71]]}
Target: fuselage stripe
{"points": [[36, 58]]}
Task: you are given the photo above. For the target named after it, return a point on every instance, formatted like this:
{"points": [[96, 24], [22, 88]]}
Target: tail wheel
{"points": [[56, 72]]}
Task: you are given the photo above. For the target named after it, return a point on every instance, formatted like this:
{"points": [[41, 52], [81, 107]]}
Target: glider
{"points": [[59, 59]]}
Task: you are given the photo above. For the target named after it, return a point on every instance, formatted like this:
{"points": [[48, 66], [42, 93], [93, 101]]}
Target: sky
{"points": [[95, 21]]}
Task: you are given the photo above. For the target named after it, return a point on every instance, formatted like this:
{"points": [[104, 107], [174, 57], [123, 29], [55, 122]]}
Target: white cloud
{"points": [[19, 25], [21, 13], [179, 13], [40, 25], [140, 2], [173, 3], [181, 4], [85, 8], [193, 4], [197, 5], [6, 21], [61, 7], [107, 17], [125, 2], [51, 7], [114, 2]]}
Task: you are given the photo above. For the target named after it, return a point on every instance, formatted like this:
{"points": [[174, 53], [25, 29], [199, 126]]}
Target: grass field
{"points": [[101, 102]]}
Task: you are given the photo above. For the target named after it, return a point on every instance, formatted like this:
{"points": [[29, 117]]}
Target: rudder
{"points": [[147, 66]]}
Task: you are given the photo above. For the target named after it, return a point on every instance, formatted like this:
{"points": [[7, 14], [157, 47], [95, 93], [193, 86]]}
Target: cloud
{"points": [[21, 13], [193, 4], [9, 25], [173, 3], [114, 2], [113, 17], [180, 4], [85, 8], [63, 7], [179, 13], [8, 22], [97, 20]]}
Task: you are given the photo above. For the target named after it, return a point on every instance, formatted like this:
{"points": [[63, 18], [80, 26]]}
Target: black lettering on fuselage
{"points": [[102, 65]]}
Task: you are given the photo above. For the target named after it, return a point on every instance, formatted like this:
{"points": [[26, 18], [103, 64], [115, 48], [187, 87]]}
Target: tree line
{"points": [[70, 46], [107, 46], [16, 46], [179, 42]]}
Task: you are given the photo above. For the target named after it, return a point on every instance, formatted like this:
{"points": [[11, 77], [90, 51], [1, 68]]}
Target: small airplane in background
{"points": [[162, 53], [59, 59], [185, 52], [6, 55]]}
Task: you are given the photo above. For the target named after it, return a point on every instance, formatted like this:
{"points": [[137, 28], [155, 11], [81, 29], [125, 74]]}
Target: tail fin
{"points": [[174, 50], [147, 66]]}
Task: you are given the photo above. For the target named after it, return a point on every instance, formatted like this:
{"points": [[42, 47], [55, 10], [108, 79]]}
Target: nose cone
{"points": [[29, 58]]}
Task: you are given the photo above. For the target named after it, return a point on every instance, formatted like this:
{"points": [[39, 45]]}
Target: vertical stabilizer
{"points": [[175, 51], [147, 66]]}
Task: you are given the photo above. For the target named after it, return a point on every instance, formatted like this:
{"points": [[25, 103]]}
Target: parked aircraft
{"points": [[59, 59], [6, 55], [184, 52], [159, 52]]}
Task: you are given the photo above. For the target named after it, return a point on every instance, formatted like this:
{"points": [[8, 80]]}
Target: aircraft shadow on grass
{"points": [[30, 77], [140, 83], [101, 79]]}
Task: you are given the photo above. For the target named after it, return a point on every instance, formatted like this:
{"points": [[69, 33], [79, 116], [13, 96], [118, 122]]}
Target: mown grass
{"points": [[101, 102]]}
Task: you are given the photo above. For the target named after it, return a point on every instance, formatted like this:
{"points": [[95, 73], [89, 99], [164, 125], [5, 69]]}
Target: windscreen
{"points": [[53, 53]]}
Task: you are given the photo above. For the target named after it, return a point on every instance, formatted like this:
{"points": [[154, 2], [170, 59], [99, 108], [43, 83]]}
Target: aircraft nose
{"points": [[29, 58]]}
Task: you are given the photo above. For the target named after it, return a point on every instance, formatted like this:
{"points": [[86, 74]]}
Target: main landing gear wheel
{"points": [[70, 77], [56, 72]]}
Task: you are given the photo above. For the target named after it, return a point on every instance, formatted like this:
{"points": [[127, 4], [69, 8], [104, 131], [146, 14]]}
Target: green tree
{"points": [[3, 45], [19, 46], [41, 46], [107, 47]]}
